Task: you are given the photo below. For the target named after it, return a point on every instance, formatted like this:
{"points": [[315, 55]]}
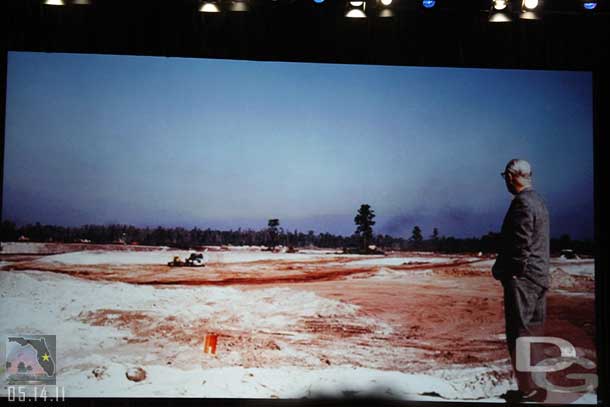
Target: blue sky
{"points": [[228, 144]]}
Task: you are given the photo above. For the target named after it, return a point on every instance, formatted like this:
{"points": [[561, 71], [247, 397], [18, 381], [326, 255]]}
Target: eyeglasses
{"points": [[503, 174]]}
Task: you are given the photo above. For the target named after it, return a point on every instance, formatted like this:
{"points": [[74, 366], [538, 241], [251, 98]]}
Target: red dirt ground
{"points": [[451, 315]]}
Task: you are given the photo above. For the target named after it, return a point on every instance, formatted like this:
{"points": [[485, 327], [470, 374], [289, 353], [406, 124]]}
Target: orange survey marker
{"points": [[209, 344]]}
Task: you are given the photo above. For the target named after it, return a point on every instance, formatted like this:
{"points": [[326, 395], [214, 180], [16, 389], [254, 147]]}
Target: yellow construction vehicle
{"points": [[194, 260]]}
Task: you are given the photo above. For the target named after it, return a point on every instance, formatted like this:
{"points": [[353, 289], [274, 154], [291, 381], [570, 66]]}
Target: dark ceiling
{"points": [[454, 33]]}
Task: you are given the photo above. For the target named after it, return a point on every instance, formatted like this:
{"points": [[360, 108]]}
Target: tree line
{"points": [[191, 238], [363, 240]]}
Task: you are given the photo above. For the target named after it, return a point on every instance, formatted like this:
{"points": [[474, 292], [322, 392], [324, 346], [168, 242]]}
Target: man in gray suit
{"points": [[522, 266]]}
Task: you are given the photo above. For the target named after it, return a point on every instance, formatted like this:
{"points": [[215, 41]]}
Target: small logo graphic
{"points": [[30, 359], [588, 381]]}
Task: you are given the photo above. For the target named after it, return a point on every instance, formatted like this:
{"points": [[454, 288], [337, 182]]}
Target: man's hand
{"points": [[496, 270]]}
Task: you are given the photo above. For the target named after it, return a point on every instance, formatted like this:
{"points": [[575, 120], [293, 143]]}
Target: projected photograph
{"points": [[241, 229]]}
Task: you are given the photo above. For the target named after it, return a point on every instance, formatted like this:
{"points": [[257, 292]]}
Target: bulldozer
{"points": [[194, 260]]}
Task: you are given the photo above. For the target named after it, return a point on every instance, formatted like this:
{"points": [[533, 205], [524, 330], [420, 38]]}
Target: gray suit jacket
{"points": [[525, 240]]}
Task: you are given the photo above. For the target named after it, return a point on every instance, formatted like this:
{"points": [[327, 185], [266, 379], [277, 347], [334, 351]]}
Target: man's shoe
{"points": [[512, 396], [518, 396], [535, 396]]}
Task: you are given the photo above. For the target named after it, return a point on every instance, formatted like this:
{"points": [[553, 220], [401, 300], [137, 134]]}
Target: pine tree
{"points": [[416, 235], [364, 221], [273, 225]]}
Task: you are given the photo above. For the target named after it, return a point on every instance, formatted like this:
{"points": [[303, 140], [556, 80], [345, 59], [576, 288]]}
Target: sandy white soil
{"points": [[56, 303], [398, 261], [23, 247], [282, 382], [162, 257], [358, 335], [584, 267]]}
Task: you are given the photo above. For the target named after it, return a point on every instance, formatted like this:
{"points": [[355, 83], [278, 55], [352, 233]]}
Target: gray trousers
{"points": [[524, 314]]}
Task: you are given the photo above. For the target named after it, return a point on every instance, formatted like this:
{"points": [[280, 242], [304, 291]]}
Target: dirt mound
{"points": [[561, 279], [459, 271], [135, 374], [334, 327]]}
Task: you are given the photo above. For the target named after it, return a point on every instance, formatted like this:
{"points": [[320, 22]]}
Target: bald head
{"points": [[518, 175]]}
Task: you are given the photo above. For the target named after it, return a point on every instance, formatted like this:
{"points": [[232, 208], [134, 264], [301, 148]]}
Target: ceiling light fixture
{"points": [[356, 9], [209, 7]]}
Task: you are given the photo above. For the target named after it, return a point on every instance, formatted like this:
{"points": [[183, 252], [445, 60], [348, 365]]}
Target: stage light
{"points": [[589, 5], [500, 5], [500, 18], [318, 1], [530, 9], [239, 6], [384, 8], [355, 13], [530, 4], [54, 2], [82, 2], [500, 12], [428, 3], [209, 7], [356, 9]]}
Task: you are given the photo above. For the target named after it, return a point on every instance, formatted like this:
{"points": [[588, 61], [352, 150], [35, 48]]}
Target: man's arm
{"points": [[518, 242]]}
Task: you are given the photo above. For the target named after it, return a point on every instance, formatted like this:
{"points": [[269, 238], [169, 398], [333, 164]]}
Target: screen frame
{"points": [[601, 96]]}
